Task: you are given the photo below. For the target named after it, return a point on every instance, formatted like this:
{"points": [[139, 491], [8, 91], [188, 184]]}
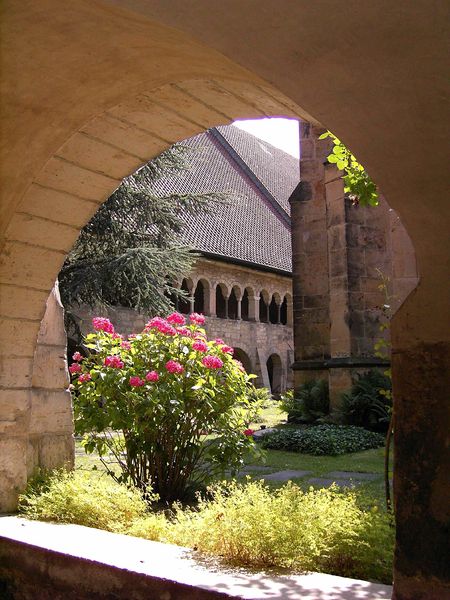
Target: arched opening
{"points": [[275, 373], [184, 304], [244, 358], [273, 311], [221, 302], [283, 312], [199, 298], [263, 308], [233, 305], [74, 178]]}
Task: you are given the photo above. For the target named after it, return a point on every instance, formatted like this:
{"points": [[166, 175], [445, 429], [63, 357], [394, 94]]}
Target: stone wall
{"points": [[255, 341]]}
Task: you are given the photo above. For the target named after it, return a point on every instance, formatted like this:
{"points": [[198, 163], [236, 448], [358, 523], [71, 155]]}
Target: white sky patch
{"points": [[281, 133]]}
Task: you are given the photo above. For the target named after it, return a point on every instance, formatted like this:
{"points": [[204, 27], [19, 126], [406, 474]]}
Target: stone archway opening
{"points": [[75, 158], [275, 374], [244, 358]]}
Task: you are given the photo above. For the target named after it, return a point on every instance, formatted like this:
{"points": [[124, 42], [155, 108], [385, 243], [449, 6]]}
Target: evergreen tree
{"points": [[129, 254]]}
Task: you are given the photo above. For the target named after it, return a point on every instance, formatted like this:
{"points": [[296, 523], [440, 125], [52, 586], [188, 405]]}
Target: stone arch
{"points": [[264, 306], [201, 296], [39, 233], [247, 304], [222, 301], [244, 358], [274, 308], [274, 367], [185, 304], [233, 302]]}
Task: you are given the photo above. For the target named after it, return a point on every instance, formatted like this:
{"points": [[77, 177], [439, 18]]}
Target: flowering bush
{"points": [[170, 406]]}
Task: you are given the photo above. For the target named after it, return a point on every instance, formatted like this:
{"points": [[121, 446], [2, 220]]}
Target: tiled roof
{"points": [[253, 226]]}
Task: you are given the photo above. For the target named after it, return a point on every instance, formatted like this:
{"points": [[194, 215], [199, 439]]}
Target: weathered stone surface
{"points": [[51, 412]]}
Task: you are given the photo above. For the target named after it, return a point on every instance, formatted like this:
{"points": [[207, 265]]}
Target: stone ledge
{"points": [[44, 560]]}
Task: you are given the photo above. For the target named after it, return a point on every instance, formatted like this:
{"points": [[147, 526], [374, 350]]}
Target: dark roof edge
{"points": [[244, 263], [280, 212]]}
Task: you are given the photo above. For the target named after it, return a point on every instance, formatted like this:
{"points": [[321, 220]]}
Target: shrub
{"points": [[244, 524], [180, 402], [320, 530], [368, 403], [307, 404], [84, 499], [323, 440]]}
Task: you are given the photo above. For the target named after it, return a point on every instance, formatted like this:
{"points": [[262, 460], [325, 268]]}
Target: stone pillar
{"points": [[253, 308], [212, 300], [36, 423], [421, 380], [340, 378], [239, 307], [278, 312], [310, 260], [51, 442]]}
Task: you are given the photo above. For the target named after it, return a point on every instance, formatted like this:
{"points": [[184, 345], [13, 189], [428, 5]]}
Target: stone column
{"points": [[212, 300], [310, 260], [253, 308], [239, 307], [420, 369]]}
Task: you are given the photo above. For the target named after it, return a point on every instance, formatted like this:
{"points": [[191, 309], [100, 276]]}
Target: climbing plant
{"points": [[357, 182]]}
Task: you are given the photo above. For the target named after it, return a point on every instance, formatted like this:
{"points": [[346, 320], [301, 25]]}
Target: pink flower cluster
{"points": [[176, 318], [248, 432], [227, 349], [152, 376], [219, 341], [197, 318], [184, 331], [84, 377], [113, 361], [77, 356], [136, 381], [174, 367], [125, 345], [75, 368], [200, 346], [212, 362], [161, 325], [102, 324]]}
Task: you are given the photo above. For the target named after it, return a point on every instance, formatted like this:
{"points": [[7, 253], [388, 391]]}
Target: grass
{"points": [[368, 461]]}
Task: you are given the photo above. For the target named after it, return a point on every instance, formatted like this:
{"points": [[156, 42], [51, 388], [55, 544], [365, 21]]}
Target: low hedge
{"points": [[323, 440]]}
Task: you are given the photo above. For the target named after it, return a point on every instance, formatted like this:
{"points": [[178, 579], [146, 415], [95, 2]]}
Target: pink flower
{"points": [[212, 362], [227, 349], [117, 336], [174, 367], [197, 318], [184, 331], [75, 368], [176, 319], [136, 381], [125, 345], [200, 346], [113, 361], [239, 365], [248, 432], [219, 341], [77, 356], [161, 325], [152, 376], [102, 324], [84, 377]]}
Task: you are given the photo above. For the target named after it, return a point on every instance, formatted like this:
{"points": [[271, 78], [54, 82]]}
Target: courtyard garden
{"points": [[175, 444]]}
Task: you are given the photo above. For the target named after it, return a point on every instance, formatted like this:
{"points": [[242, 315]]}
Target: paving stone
{"points": [[325, 483], [255, 469], [286, 475], [353, 475]]}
